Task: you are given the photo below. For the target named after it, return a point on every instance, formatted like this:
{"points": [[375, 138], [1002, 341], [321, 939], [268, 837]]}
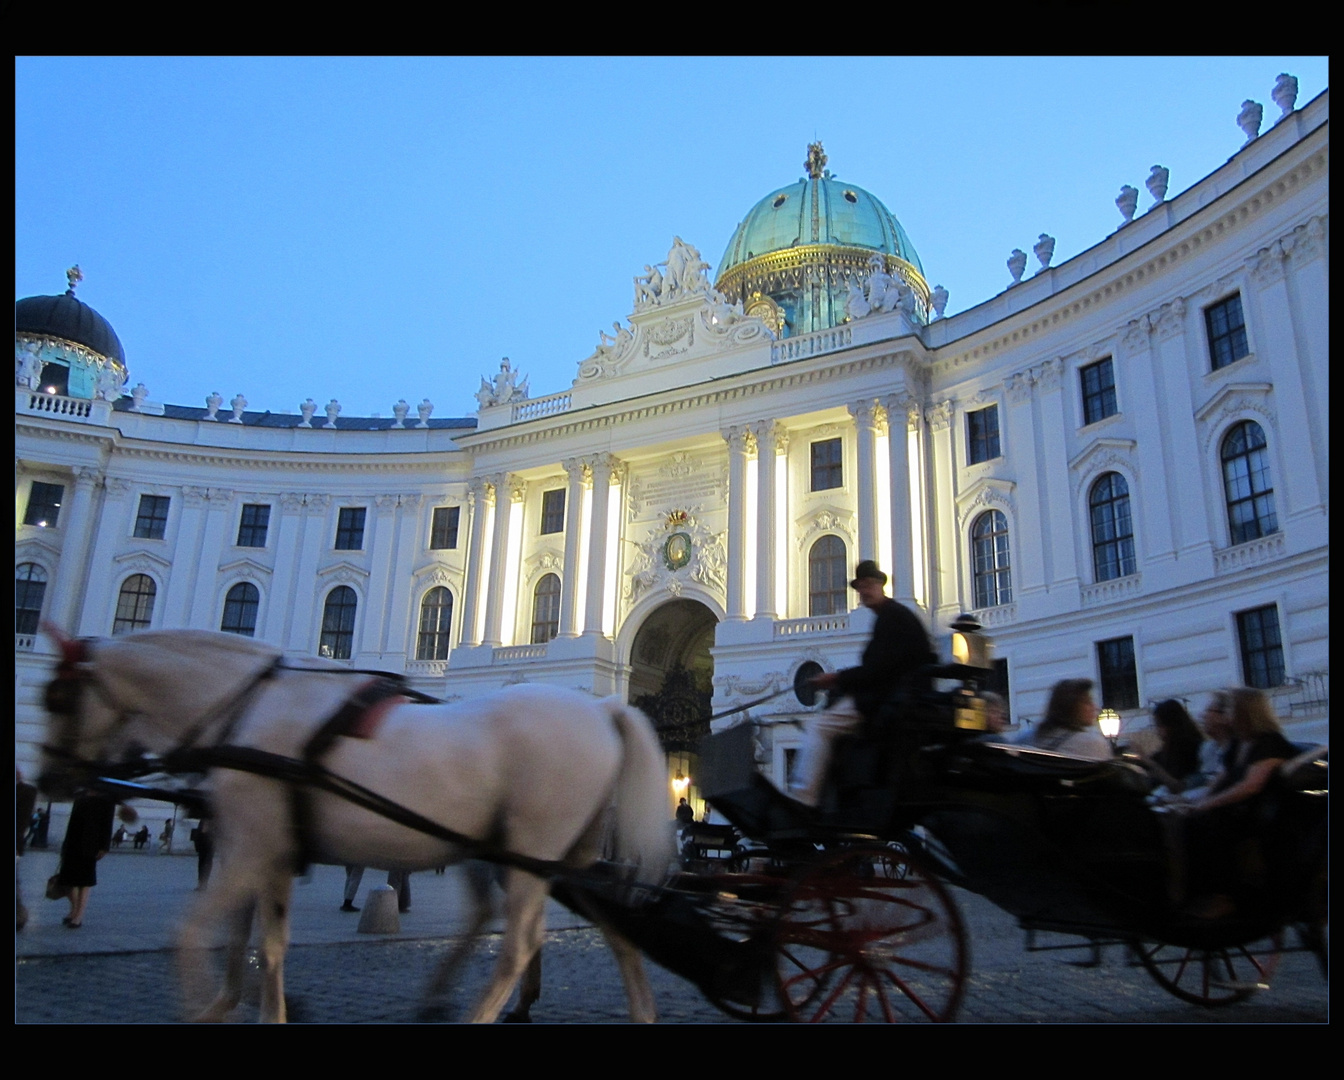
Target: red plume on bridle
{"points": [[73, 650]]}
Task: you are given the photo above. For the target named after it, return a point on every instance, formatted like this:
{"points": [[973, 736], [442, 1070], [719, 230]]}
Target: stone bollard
{"points": [[380, 914]]}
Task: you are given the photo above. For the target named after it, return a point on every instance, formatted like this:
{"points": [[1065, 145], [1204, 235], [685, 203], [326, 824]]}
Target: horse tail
{"points": [[643, 832]]}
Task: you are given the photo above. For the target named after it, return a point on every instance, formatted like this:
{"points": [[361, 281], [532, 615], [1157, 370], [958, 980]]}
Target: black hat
{"points": [[867, 569]]}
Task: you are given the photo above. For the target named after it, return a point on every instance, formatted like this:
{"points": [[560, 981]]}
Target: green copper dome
{"points": [[803, 244]]}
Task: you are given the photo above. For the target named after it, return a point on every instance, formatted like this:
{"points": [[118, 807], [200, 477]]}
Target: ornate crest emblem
{"points": [[683, 548]]}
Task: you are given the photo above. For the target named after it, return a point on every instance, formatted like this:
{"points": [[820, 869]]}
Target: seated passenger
{"points": [[1176, 763], [1070, 724], [1216, 721], [1222, 820]]}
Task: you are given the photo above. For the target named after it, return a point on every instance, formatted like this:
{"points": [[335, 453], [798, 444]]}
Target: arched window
{"points": [[436, 619], [1250, 495], [827, 568], [135, 604], [989, 554], [338, 624], [546, 610], [1112, 529], [30, 585], [240, 610]]}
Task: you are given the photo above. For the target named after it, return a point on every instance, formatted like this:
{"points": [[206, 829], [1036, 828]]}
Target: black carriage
{"points": [[845, 912]]}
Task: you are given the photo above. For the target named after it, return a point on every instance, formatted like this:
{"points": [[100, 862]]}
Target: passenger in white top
{"points": [[1070, 724]]}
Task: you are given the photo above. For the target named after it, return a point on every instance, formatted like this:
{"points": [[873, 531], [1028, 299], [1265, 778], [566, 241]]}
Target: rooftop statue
{"points": [[28, 365], [1157, 183], [1285, 94], [1249, 120], [503, 389]]}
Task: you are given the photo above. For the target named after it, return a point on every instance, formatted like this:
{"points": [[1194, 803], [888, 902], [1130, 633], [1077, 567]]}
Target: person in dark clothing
{"points": [[88, 837], [893, 660], [25, 798], [204, 838]]}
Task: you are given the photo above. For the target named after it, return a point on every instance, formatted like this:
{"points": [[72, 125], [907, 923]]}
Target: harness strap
{"points": [[356, 718]]}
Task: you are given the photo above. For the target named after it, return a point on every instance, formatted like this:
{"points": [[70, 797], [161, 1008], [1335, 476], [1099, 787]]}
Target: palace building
{"points": [[1119, 465]]}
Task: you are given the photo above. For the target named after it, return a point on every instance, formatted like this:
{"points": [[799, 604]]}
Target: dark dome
{"points": [[66, 317]]}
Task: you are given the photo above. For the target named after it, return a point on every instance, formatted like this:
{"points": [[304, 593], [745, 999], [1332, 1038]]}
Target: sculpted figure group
{"points": [[686, 275]]}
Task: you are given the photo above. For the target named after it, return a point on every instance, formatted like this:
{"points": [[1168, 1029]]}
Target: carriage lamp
{"points": [[680, 783], [969, 646], [1109, 722]]}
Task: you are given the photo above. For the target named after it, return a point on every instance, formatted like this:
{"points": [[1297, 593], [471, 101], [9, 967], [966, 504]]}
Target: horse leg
{"points": [[273, 910], [479, 879], [529, 991], [525, 905], [638, 992], [221, 904]]}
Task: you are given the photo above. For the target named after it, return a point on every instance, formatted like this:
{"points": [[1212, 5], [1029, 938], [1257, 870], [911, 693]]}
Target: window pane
{"points": [[1227, 332], [436, 619], [990, 563], [338, 624], [240, 610], [1098, 391], [982, 431], [1119, 678], [553, 511], [30, 586], [1112, 530], [152, 520], [44, 504], [1246, 483], [827, 468], [135, 604], [827, 570], [253, 525], [350, 529], [443, 530], [546, 610], [1261, 647]]}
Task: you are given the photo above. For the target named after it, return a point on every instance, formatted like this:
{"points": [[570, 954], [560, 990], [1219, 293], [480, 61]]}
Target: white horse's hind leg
{"points": [[273, 916], [525, 904], [479, 879], [638, 992]]}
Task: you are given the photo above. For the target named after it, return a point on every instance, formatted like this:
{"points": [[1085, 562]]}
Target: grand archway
{"points": [[672, 681]]}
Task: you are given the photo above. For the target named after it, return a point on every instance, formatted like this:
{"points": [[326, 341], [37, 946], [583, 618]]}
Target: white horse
{"points": [[530, 771]]}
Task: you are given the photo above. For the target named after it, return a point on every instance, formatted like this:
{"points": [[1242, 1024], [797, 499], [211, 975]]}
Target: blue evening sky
{"points": [[371, 229]]}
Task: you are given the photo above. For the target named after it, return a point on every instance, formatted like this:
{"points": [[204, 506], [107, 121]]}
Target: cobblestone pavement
{"points": [[334, 975]]}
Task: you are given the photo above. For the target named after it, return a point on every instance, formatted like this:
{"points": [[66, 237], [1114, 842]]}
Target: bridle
{"points": [[64, 697]]}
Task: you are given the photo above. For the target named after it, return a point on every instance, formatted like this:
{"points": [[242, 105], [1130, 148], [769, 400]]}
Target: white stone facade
{"points": [[696, 422]]}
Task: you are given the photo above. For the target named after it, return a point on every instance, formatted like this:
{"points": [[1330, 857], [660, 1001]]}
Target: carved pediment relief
{"points": [[343, 571], [825, 520], [542, 562], [987, 493], [246, 568], [38, 550], [142, 562], [1235, 401]]}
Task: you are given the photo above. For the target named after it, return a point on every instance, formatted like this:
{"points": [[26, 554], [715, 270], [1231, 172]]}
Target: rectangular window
{"points": [[1098, 391], [152, 520], [253, 524], [982, 434], [44, 504], [1261, 647], [1227, 332], [443, 528], [350, 529], [1119, 677], [553, 511], [827, 470]]}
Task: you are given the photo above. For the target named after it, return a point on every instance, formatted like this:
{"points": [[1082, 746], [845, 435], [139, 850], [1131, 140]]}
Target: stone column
{"points": [[942, 519], [865, 487], [575, 470], [768, 434], [1028, 539], [902, 415], [92, 608], [204, 612], [740, 442], [317, 538], [1061, 542], [505, 488], [68, 587], [479, 493], [278, 603], [181, 585], [601, 466], [409, 541], [381, 547]]}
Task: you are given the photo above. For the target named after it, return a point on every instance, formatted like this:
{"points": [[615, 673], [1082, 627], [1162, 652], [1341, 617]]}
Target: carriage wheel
{"points": [[870, 935], [1211, 977], [744, 911]]}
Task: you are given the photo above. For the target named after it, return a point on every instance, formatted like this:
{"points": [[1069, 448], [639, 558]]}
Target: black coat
{"points": [[898, 649]]}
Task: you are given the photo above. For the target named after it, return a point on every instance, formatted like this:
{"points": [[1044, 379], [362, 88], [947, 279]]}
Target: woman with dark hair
{"points": [[1070, 724], [1176, 764], [88, 836]]}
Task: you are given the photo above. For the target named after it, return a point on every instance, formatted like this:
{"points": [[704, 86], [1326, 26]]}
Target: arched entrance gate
{"points": [[672, 681]]}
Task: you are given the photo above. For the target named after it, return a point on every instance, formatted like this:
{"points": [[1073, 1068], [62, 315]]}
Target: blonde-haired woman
{"points": [[1223, 819]]}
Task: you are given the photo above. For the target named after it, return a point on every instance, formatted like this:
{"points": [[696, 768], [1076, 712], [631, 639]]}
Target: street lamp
{"points": [[1109, 722]]}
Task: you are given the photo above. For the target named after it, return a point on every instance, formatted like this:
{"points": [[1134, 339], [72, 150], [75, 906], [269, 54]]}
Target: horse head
{"points": [[65, 754]]}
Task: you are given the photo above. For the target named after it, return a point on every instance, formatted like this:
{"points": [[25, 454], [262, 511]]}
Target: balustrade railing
{"points": [[59, 405], [544, 406], [824, 341], [505, 654], [815, 624]]}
